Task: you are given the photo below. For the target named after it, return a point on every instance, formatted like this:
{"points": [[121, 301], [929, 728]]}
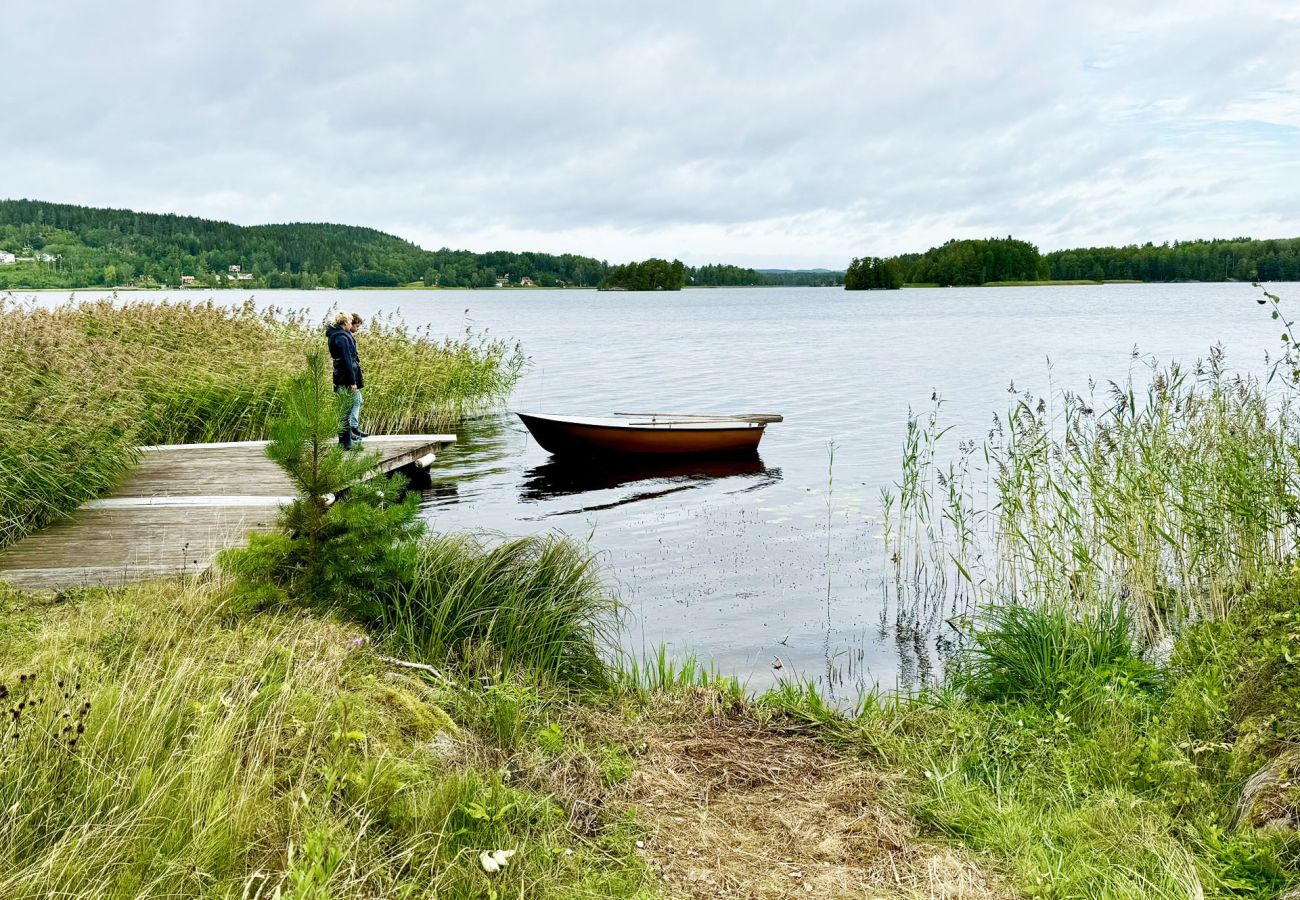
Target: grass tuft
{"points": [[532, 602]]}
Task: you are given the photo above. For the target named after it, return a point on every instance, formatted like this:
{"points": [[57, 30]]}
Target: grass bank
{"points": [[215, 747], [89, 381], [1120, 715], [1086, 771]]}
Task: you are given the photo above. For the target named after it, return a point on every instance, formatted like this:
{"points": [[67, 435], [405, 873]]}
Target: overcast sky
{"points": [[774, 134]]}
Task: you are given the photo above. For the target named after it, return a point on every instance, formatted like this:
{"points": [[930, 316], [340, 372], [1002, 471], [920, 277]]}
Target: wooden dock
{"points": [[182, 505]]}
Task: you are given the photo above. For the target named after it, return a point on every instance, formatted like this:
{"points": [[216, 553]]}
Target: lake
{"points": [[779, 556]]}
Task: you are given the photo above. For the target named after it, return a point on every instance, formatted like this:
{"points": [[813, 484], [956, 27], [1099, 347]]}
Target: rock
{"points": [[1271, 797], [443, 746]]}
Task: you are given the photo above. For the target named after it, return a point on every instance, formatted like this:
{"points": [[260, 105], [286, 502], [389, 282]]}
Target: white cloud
{"points": [[761, 133]]}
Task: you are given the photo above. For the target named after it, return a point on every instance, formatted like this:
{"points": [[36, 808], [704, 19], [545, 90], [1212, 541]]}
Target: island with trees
{"points": [[650, 275]]}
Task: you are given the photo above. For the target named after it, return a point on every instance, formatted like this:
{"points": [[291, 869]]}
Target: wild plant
{"points": [[1171, 497], [343, 541], [534, 602]]}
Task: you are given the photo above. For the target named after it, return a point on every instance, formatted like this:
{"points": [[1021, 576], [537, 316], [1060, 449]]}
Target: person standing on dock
{"points": [[347, 374]]}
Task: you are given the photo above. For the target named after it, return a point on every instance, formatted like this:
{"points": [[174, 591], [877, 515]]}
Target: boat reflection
{"points": [[566, 477]]}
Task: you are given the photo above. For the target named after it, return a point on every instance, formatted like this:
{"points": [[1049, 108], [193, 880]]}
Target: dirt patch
{"points": [[739, 809]]}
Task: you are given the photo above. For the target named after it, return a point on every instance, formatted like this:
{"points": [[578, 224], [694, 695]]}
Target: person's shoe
{"points": [[345, 439], [358, 434]]}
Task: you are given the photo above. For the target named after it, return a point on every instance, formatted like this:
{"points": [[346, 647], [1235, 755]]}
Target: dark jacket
{"points": [[343, 349]]}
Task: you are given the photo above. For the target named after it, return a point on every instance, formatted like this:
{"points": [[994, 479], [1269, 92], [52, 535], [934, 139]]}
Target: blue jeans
{"points": [[353, 419]]}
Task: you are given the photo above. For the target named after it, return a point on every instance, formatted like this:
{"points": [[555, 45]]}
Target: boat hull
{"points": [[573, 437]]}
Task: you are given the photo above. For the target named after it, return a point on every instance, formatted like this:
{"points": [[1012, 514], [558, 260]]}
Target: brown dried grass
{"points": [[736, 808]]}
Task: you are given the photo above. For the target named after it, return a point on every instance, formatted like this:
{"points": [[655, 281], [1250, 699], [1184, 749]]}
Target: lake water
{"points": [[779, 557]]}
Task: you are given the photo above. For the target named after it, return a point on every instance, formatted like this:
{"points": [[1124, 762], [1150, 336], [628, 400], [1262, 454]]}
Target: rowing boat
{"points": [[648, 433]]}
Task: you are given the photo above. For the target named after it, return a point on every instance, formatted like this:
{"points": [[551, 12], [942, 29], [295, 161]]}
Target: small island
{"points": [[651, 275]]}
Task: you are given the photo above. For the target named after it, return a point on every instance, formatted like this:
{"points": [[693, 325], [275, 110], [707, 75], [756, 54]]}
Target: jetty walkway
{"points": [[181, 506]]}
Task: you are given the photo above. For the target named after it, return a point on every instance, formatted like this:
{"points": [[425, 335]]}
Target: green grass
{"points": [[1088, 772], [270, 754], [534, 602], [88, 381], [665, 674], [1043, 655]]}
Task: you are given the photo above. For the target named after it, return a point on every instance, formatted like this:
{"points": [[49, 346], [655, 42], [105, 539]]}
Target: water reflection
{"points": [[655, 477]]}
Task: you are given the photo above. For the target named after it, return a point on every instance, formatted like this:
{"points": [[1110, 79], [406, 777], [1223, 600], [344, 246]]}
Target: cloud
{"points": [[761, 133]]}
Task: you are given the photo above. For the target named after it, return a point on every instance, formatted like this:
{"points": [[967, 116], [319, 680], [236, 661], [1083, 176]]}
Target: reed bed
{"points": [[89, 381], [1170, 499]]}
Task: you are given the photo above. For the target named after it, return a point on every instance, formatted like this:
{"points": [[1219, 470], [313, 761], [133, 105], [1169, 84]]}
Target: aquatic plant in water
{"points": [[1170, 494]]}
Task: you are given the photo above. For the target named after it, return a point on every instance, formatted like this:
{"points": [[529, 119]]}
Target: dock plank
{"points": [[174, 514]]}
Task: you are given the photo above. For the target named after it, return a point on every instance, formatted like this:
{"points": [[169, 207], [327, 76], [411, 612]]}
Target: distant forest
{"points": [[56, 245], [993, 260]]}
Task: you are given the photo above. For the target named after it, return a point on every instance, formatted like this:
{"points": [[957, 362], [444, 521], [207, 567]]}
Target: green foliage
{"points": [[721, 274], [344, 541], [1237, 259], [1173, 499], [1004, 260], [93, 246], [533, 602], [1043, 655], [1065, 760], [973, 262], [871, 273], [803, 277], [663, 674], [650, 275], [265, 755]]}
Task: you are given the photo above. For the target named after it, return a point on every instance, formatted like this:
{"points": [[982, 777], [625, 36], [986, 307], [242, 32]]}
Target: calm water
{"points": [[780, 556]]}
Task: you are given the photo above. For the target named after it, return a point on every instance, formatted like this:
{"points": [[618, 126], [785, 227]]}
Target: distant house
{"points": [[503, 280], [46, 257], [7, 258], [187, 279], [527, 282], [243, 276], [235, 269]]}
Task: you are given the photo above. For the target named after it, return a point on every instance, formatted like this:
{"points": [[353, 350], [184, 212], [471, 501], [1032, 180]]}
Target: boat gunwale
{"points": [[576, 422]]}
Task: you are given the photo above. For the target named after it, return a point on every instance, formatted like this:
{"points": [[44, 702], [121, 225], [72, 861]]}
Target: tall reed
{"points": [[89, 381], [1170, 498]]}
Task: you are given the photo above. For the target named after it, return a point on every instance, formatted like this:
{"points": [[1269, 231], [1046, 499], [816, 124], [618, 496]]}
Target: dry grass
{"points": [[727, 805], [737, 808]]}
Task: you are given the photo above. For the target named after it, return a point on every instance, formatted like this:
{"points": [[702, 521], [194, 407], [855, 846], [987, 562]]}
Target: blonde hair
{"points": [[343, 318]]}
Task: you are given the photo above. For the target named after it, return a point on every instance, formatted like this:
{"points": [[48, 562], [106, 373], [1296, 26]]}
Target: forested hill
{"points": [[61, 245], [993, 260], [58, 245]]}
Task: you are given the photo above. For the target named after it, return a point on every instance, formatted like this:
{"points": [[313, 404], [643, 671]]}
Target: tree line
{"points": [[68, 246], [977, 262], [1234, 259]]}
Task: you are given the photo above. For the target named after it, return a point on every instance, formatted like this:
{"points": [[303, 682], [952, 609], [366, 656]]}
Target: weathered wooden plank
{"points": [[243, 468], [177, 511]]}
